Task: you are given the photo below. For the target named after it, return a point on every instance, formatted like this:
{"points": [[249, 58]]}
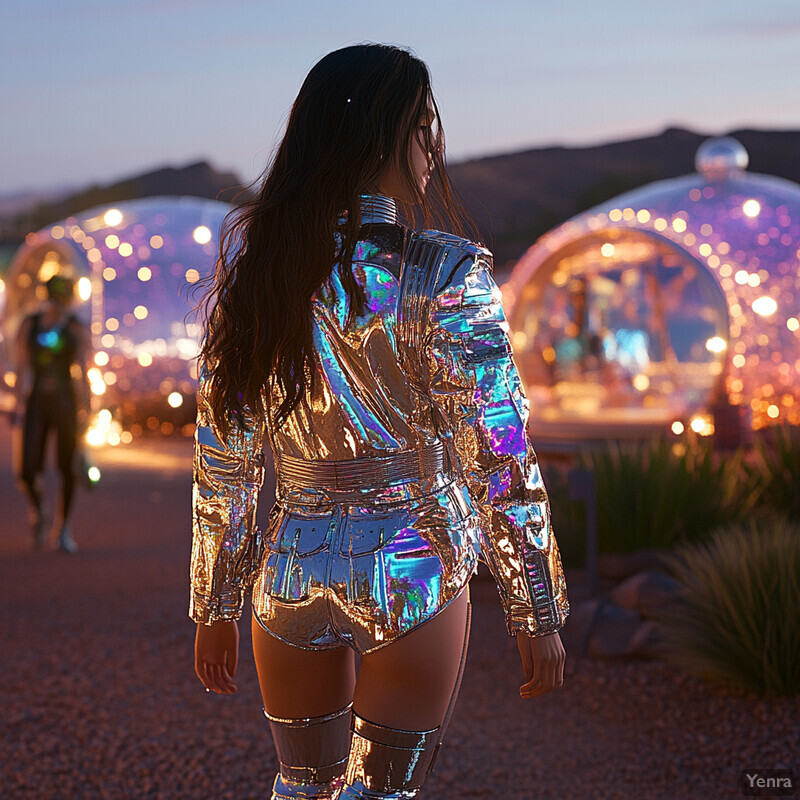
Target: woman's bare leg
{"points": [[307, 696], [401, 698], [297, 683], [408, 684], [403, 695]]}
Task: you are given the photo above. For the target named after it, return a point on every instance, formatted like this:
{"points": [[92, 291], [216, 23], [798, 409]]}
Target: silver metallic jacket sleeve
{"points": [[476, 386], [228, 474]]}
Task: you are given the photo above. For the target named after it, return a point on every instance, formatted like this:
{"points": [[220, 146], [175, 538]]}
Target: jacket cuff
{"points": [[207, 609], [539, 622]]}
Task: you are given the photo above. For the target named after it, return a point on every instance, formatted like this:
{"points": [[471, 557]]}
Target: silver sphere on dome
{"points": [[721, 157]]}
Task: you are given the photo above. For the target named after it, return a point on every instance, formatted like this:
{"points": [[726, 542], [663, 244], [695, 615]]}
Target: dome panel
{"points": [[741, 233]]}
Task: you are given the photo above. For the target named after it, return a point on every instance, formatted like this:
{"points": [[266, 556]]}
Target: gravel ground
{"points": [[99, 699]]}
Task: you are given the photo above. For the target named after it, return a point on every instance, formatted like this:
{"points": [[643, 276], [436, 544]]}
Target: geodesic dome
{"points": [[665, 303], [134, 264]]}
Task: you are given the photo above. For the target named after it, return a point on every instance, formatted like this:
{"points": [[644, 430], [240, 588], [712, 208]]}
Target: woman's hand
{"points": [[216, 655], [543, 660]]}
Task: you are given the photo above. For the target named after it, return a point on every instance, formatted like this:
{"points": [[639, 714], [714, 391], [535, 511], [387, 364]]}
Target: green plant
{"points": [[776, 470], [569, 520], [739, 618], [658, 493]]}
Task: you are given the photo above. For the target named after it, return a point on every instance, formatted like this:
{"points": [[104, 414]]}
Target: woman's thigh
{"points": [[409, 683], [297, 683]]}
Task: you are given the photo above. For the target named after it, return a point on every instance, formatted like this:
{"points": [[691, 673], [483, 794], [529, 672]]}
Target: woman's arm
{"points": [[478, 394], [477, 390], [82, 354], [23, 383], [228, 474]]}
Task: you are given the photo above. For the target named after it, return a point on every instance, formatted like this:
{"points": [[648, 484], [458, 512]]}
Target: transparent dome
{"points": [[664, 303], [135, 264]]}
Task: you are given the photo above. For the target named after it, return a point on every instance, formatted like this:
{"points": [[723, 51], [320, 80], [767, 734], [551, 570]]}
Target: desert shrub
{"points": [[569, 521], [739, 618], [775, 468], [656, 494]]}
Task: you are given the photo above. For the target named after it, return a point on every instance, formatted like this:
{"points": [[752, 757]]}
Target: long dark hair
{"points": [[358, 107]]}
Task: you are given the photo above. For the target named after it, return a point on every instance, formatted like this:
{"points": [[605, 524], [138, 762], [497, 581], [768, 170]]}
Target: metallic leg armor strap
{"points": [[386, 763], [313, 754]]}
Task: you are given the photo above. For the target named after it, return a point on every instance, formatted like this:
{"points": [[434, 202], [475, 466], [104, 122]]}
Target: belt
{"points": [[363, 473]]}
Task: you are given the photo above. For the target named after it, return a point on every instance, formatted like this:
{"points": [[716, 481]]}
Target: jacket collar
{"points": [[377, 209]]}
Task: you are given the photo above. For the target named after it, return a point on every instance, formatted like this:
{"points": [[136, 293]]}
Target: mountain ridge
{"points": [[513, 197]]}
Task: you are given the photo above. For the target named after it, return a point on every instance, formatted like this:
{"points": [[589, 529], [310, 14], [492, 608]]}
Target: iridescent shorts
{"points": [[356, 574]]}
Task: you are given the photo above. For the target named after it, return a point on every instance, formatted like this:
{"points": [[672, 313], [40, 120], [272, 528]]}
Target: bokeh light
{"points": [[112, 217], [202, 234]]}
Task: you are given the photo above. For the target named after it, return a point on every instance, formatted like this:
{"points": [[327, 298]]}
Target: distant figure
{"points": [[52, 394]]}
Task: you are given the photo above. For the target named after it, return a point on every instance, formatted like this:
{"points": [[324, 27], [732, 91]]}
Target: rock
{"points": [[575, 632], [647, 592], [647, 641], [618, 566], [612, 632]]}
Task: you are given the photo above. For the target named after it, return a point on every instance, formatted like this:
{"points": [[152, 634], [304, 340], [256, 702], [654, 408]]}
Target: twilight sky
{"points": [[94, 90]]}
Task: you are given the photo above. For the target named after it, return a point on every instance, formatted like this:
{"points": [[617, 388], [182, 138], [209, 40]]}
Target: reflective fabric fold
{"points": [[352, 556], [228, 474]]}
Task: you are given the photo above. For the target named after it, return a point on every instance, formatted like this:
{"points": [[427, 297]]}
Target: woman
{"points": [[50, 345], [375, 363]]}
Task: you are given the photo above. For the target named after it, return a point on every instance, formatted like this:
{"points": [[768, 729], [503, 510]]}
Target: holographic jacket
{"points": [[427, 364]]}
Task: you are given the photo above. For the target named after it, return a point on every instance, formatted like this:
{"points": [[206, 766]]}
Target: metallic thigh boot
{"points": [[386, 763], [390, 764], [312, 753]]}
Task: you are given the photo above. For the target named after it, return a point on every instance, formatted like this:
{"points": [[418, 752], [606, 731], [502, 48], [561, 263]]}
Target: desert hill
{"points": [[514, 198]]}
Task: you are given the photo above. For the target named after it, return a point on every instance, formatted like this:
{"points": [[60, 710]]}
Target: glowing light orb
{"points": [[145, 359], [125, 249], [202, 234], [175, 399], [95, 437], [112, 217], [716, 344], [677, 427], [702, 426], [109, 273], [140, 312], [764, 306], [112, 241], [156, 242], [84, 288], [793, 324], [607, 249], [101, 358], [641, 382], [93, 473], [144, 274], [192, 276], [751, 208]]}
